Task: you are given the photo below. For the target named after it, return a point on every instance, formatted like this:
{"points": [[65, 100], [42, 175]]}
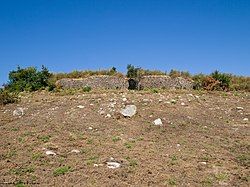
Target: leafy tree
{"points": [[28, 79]]}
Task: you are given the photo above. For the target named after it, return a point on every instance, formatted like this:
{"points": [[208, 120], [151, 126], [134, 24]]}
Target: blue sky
{"points": [[64, 35]]}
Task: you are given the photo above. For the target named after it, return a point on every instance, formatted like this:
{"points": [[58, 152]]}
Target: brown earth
{"points": [[204, 140]]}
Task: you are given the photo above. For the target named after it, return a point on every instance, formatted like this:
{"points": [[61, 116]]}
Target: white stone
{"points": [[80, 106], [50, 153], [102, 112], [129, 111], [245, 119], [173, 101], [124, 99], [182, 104], [113, 165], [158, 122], [204, 163], [90, 128], [18, 112], [75, 151], [108, 116], [239, 108]]}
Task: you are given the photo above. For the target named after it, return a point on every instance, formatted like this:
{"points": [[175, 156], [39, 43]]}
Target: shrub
{"points": [[210, 84], [132, 71], [198, 81], [223, 78], [28, 79], [174, 73], [7, 97], [86, 89]]}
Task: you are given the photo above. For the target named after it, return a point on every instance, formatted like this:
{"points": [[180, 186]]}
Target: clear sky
{"points": [[64, 35]]}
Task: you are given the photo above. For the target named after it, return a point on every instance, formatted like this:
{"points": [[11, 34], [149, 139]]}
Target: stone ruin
{"points": [[118, 82]]}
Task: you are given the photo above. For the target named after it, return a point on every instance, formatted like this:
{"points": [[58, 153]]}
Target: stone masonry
{"points": [[115, 82]]}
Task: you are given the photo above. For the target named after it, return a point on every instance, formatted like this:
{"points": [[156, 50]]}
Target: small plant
{"points": [[172, 182], [44, 138], [61, 170], [36, 156], [128, 145], [86, 89], [7, 97], [132, 162], [154, 90], [221, 176], [92, 160], [90, 141], [19, 184], [116, 139], [244, 159], [21, 171]]}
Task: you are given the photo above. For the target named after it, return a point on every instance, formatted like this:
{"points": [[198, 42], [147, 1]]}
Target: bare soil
{"points": [[204, 139]]}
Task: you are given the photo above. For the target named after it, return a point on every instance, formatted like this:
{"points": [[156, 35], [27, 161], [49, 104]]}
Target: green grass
{"points": [[92, 160], [244, 159], [22, 170], [171, 182], [116, 138], [19, 184], [61, 170], [132, 162], [44, 138], [128, 145], [36, 156], [221, 177]]}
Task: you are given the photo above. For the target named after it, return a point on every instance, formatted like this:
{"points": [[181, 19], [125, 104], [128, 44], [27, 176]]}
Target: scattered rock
{"points": [[239, 108], [80, 106], [75, 151], [113, 165], [50, 153], [108, 116], [18, 112], [129, 111], [124, 99], [158, 122], [102, 112]]}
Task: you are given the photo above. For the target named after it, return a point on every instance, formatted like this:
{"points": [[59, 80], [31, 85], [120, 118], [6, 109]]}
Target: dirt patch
{"points": [[204, 139]]}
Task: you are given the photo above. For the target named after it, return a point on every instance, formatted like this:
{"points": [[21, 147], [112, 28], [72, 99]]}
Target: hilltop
{"points": [[65, 138]]}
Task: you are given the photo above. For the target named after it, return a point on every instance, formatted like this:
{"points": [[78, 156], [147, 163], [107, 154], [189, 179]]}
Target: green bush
{"points": [[132, 71], [86, 89], [7, 97], [225, 79], [28, 79]]}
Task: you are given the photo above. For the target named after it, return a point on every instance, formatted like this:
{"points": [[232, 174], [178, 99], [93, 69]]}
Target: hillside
{"points": [[75, 140]]}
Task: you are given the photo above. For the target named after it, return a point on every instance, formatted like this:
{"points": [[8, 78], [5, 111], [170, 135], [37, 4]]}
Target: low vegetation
{"points": [[31, 79], [7, 97]]}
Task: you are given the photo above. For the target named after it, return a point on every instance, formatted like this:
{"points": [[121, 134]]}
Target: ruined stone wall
{"points": [[164, 81], [95, 82], [115, 82]]}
